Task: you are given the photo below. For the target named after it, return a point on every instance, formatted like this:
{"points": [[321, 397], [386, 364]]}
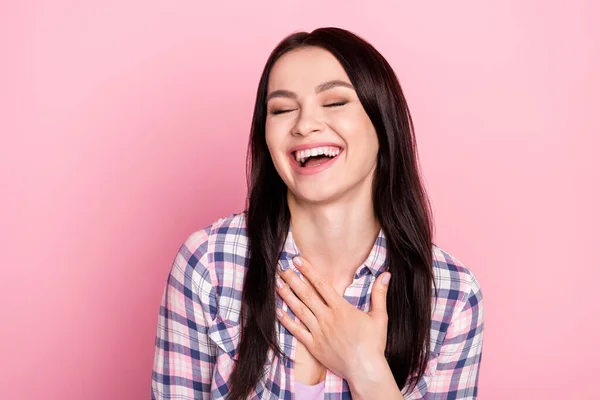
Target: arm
{"points": [[457, 371], [184, 355]]}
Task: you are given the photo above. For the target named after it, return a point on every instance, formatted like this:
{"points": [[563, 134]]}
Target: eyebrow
{"points": [[320, 88]]}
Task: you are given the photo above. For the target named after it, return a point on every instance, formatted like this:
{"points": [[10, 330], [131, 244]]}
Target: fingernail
{"points": [[279, 313], [386, 278], [297, 261], [278, 282]]}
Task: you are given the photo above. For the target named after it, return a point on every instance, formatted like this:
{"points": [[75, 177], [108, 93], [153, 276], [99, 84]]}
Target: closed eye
{"points": [[277, 112], [338, 104]]}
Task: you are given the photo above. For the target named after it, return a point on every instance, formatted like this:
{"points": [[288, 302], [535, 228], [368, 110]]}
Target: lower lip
{"points": [[312, 170]]}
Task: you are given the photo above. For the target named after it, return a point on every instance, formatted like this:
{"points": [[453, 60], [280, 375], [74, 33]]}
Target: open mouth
{"points": [[317, 156]]}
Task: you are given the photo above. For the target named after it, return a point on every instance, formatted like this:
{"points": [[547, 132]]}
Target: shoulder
{"points": [[457, 287], [220, 230], [217, 240], [216, 257], [213, 241], [451, 274]]}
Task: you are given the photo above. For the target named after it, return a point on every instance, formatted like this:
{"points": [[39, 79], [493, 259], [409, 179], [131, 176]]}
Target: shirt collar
{"points": [[375, 262]]}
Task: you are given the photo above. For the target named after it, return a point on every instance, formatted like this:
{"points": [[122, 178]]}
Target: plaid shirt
{"points": [[198, 326]]}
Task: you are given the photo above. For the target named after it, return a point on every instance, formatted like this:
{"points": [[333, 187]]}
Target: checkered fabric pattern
{"points": [[198, 326]]}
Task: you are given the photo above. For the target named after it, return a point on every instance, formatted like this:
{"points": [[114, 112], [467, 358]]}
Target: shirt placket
{"points": [[287, 341], [357, 294], [335, 385]]}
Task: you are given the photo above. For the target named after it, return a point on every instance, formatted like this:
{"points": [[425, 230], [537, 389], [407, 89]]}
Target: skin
{"points": [[332, 218]]}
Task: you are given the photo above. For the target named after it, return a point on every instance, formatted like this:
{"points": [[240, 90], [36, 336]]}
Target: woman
{"points": [[335, 206]]}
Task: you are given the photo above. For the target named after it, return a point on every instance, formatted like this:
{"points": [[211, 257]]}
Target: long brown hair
{"points": [[400, 203]]}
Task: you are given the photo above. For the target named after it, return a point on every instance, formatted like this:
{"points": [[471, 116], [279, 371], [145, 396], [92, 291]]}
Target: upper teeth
{"points": [[331, 151]]}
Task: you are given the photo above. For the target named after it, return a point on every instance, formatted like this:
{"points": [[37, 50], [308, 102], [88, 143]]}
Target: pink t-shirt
{"points": [[310, 392]]}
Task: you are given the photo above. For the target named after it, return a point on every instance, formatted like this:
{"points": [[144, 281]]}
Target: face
{"points": [[320, 138]]}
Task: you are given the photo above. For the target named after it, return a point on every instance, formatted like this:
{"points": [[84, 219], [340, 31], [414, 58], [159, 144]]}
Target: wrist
{"points": [[373, 375]]}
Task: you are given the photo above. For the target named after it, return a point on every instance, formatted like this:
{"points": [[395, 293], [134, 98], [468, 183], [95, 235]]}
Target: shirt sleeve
{"points": [[457, 372], [184, 355]]}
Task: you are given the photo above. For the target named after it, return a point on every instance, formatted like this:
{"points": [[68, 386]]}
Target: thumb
{"points": [[379, 295]]}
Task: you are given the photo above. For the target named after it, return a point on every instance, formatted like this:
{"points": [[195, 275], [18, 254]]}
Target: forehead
{"points": [[303, 69]]}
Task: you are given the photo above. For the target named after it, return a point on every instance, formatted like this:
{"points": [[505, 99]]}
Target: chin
{"points": [[314, 196]]}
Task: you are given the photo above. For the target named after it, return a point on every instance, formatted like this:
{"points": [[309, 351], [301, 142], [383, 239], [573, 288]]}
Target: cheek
{"points": [[358, 133], [353, 121], [371, 147], [273, 142], [276, 147], [274, 134], [270, 144]]}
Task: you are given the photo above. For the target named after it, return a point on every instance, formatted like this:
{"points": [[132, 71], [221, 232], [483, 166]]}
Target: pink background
{"points": [[124, 127]]}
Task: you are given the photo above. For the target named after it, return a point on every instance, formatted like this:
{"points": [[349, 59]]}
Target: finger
{"points": [[379, 295], [295, 328], [300, 309], [304, 292], [321, 285]]}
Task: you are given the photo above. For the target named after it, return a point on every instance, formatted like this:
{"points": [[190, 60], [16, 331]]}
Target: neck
{"points": [[335, 238]]}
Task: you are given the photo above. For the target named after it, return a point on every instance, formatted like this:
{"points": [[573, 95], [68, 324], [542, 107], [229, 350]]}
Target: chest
{"points": [[298, 364], [308, 369], [304, 367]]}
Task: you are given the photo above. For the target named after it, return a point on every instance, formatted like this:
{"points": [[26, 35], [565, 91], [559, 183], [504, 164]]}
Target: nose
{"points": [[308, 123]]}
